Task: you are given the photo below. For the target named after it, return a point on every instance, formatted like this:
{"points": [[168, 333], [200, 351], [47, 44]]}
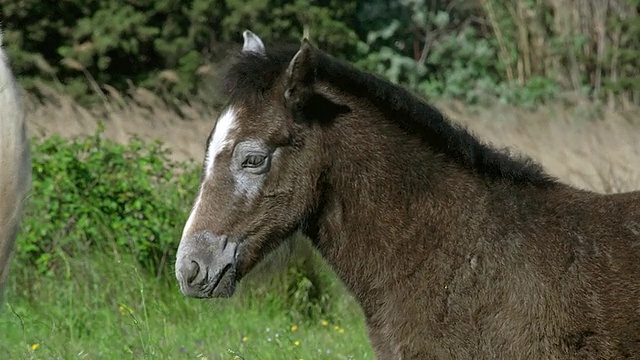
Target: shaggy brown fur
{"points": [[15, 165], [455, 250]]}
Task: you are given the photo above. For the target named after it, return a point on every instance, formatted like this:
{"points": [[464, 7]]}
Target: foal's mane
{"points": [[252, 75]]}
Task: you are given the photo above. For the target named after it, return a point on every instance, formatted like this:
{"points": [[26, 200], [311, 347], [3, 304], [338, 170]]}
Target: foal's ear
{"points": [[252, 43], [300, 75]]}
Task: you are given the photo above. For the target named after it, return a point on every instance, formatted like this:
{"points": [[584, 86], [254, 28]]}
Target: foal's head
{"points": [[260, 174]]}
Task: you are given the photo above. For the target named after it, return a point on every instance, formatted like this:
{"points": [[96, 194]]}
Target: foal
{"points": [[15, 165], [453, 249]]}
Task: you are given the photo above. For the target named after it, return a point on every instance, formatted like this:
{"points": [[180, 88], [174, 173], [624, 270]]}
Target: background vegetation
{"points": [[93, 272], [519, 51]]}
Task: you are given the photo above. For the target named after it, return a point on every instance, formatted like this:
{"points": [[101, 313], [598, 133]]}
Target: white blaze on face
{"points": [[218, 142]]}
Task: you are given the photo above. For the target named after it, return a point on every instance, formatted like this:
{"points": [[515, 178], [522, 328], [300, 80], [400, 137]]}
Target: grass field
{"points": [[100, 308]]}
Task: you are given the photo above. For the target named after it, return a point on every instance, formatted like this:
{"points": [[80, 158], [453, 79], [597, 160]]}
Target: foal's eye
{"points": [[253, 161]]}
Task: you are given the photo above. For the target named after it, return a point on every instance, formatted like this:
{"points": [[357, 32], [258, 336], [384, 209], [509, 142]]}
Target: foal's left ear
{"points": [[300, 75]]}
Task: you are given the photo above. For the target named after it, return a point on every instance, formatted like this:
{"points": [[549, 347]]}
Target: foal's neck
{"points": [[390, 202]]}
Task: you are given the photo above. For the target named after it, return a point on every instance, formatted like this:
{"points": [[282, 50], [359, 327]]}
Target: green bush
{"points": [[96, 195], [521, 52], [304, 291], [440, 58], [329, 22], [158, 44], [167, 46]]}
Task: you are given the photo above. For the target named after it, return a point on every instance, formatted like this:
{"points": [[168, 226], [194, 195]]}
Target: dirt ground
{"points": [[585, 145]]}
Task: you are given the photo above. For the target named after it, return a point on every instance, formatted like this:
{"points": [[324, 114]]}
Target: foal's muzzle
{"points": [[206, 265]]}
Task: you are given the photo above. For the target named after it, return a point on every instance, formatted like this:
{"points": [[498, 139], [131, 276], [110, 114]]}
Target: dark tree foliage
{"points": [[521, 51]]}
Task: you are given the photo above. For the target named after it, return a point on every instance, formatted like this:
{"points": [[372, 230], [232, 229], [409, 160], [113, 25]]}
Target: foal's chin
{"points": [[221, 285]]}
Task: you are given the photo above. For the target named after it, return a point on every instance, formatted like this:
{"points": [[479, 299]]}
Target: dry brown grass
{"points": [[143, 114], [587, 146], [575, 43]]}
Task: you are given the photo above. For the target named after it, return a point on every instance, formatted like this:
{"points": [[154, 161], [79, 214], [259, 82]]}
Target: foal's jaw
{"points": [[207, 266]]}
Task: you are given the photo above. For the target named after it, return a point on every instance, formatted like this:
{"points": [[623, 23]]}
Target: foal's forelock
{"points": [[220, 139]]}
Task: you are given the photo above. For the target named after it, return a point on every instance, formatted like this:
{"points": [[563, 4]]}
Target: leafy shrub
{"points": [[157, 44], [302, 286], [166, 46], [96, 195], [521, 52], [458, 62], [464, 61], [328, 21]]}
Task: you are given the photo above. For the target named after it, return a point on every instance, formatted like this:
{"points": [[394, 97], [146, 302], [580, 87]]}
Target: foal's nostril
{"points": [[192, 271]]}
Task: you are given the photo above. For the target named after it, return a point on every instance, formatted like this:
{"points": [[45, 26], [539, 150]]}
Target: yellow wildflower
{"points": [[125, 310], [245, 338], [35, 346], [296, 343], [324, 323], [294, 327]]}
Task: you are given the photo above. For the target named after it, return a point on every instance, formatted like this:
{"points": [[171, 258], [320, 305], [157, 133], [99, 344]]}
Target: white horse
{"points": [[15, 165]]}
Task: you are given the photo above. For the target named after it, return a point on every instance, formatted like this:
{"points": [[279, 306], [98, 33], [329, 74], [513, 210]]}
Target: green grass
{"points": [[101, 308]]}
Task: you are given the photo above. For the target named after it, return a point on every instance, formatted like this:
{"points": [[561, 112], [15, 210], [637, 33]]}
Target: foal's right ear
{"points": [[300, 76], [252, 43]]}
